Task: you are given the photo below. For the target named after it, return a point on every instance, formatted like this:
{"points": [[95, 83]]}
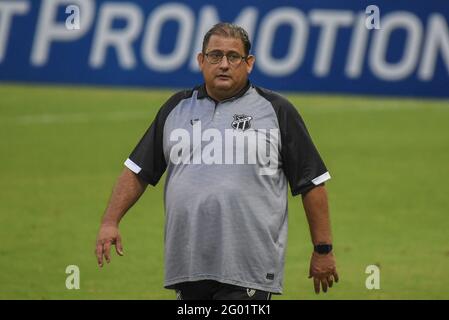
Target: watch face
{"points": [[323, 248]]}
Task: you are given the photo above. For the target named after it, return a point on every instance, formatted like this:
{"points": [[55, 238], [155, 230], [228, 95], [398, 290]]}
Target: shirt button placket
{"points": [[216, 112]]}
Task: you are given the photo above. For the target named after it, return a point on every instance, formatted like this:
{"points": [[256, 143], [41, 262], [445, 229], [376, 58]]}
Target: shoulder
{"points": [[174, 100], [178, 97], [280, 103]]}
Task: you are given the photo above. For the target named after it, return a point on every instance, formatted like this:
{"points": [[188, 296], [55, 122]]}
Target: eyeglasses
{"points": [[215, 57]]}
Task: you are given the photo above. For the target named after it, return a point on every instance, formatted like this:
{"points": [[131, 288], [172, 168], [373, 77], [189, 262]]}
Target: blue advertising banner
{"points": [[385, 47]]}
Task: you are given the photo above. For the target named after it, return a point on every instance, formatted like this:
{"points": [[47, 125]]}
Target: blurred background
{"points": [[81, 81]]}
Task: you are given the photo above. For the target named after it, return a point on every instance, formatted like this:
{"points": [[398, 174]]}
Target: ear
{"points": [[200, 60], [250, 63]]}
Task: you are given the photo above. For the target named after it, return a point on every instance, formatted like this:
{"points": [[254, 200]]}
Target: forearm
{"points": [[126, 192], [315, 204]]}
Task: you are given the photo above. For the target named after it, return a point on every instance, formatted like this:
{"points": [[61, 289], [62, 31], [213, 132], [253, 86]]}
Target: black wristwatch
{"points": [[323, 248]]}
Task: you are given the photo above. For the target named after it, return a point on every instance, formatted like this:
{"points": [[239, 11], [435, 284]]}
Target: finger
{"points": [[316, 284], [330, 281], [335, 274], [107, 251], [99, 254], [119, 247], [324, 284]]}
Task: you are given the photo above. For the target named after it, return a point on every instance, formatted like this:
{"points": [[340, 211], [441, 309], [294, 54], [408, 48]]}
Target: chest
{"points": [[233, 131]]}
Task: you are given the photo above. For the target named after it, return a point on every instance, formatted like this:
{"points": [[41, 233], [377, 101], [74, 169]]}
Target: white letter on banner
{"points": [[208, 17], [330, 21], [168, 62], [298, 42], [402, 69], [121, 40], [357, 48], [49, 30], [437, 41], [7, 10]]}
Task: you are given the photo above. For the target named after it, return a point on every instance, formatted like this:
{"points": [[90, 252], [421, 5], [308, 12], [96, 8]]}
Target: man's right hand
{"points": [[107, 236]]}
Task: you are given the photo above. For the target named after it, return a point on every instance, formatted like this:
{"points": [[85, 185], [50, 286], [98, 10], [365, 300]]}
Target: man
{"points": [[226, 202]]}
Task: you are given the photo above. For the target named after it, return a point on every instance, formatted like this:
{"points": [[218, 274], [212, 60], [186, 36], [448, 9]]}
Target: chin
{"points": [[223, 85]]}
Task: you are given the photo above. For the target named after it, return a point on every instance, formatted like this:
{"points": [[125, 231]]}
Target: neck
{"points": [[218, 95]]}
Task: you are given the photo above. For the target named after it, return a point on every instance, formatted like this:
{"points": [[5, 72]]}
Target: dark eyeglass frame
{"points": [[235, 63]]}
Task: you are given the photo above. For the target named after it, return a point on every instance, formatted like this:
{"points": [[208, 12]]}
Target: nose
{"points": [[224, 63]]}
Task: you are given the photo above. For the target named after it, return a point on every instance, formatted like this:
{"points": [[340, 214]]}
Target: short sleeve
{"points": [[301, 161], [147, 159]]}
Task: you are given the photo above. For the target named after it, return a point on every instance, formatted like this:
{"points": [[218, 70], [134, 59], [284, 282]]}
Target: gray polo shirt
{"points": [[228, 164]]}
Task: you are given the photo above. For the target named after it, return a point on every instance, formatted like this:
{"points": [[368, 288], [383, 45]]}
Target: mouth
{"points": [[223, 77]]}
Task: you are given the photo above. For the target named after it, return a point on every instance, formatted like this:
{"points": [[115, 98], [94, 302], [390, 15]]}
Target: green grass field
{"points": [[62, 149]]}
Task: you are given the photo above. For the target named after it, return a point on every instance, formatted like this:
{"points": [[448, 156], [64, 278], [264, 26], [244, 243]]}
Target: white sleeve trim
{"points": [[324, 177], [132, 166]]}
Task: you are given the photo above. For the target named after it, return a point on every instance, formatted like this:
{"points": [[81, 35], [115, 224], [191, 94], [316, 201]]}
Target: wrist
{"points": [[323, 248], [110, 223]]}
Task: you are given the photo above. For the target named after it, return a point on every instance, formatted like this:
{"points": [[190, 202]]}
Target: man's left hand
{"points": [[323, 271]]}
